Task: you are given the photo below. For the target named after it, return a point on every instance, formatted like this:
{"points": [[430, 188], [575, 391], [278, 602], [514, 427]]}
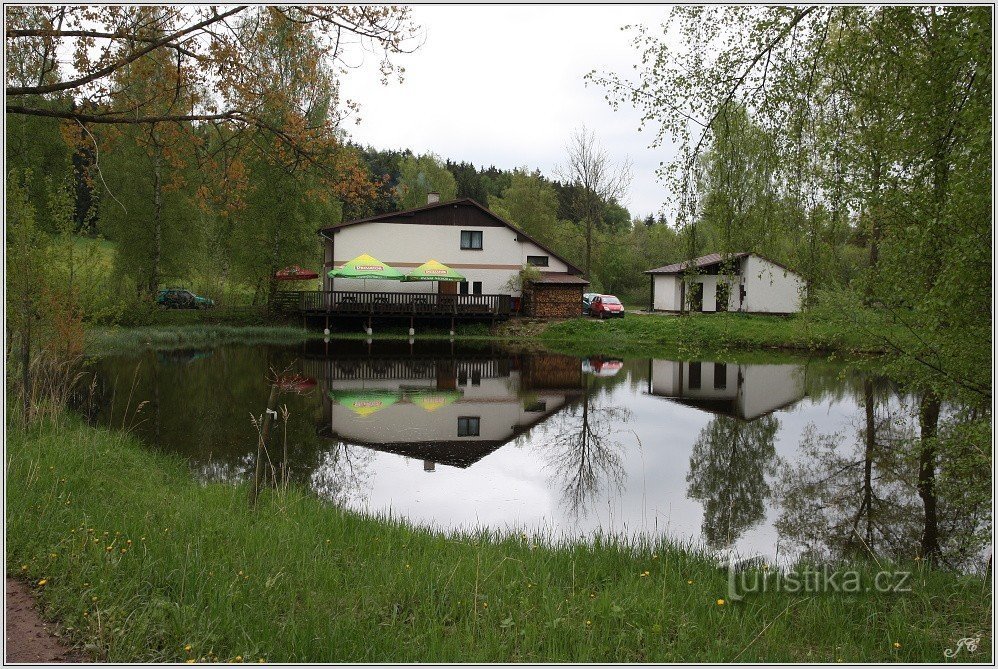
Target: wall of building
{"points": [[770, 288], [406, 245], [666, 292]]}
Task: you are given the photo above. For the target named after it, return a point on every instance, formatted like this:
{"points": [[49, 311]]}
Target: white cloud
{"points": [[504, 86]]}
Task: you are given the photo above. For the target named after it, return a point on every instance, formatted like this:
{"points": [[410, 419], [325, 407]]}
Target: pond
{"points": [[772, 459]]}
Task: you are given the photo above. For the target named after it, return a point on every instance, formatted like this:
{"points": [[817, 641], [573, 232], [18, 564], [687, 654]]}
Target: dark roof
{"points": [[703, 261], [559, 277], [437, 205]]}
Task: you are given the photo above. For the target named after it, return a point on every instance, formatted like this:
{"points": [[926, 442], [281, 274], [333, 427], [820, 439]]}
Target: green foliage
{"points": [[421, 175], [530, 202]]}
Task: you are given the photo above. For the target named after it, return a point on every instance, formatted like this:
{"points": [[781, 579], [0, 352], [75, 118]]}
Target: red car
{"points": [[606, 306]]}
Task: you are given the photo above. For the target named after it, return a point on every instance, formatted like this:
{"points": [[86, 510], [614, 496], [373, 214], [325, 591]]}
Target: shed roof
{"points": [[450, 203], [710, 260]]}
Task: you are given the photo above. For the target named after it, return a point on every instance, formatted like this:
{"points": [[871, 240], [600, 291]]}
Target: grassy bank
{"points": [[105, 340], [707, 334], [141, 563]]}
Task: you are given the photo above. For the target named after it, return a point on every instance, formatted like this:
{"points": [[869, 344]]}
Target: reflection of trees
{"points": [[728, 469], [584, 454], [881, 495], [343, 473]]}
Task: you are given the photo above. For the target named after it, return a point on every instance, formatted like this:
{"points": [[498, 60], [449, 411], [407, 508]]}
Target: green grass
{"points": [[706, 334], [119, 340], [139, 561]]}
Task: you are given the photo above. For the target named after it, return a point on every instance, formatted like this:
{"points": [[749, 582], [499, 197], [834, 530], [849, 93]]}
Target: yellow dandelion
{"points": [[86, 614], [238, 658], [530, 585], [53, 555], [190, 661], [720, 602], [94, 598], [240, 572], [129, 542], [644, 573], [654, 557], [24, 567], [485, 605], [142, 538], [689, 582], [588, 623], [109, 549], [261, 660], [327, 541], [897, 645], [124, 550], [43, 581], [187, 648]]}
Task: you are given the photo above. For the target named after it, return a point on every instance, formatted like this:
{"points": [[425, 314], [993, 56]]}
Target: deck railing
{"points": [[360, 303]]}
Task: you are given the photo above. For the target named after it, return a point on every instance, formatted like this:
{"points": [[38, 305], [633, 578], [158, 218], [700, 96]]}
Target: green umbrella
{"points": [[433, 271], [365, 402], [366, 267]]}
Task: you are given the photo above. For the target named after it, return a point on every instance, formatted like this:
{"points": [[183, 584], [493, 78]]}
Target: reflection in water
{"points": [[728, 467], [740, 391], [584, 456], [748, 457]]}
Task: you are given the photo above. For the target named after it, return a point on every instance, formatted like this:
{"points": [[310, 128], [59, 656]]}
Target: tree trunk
{"points": [[871, 436], [928, 420], [157, 218]]}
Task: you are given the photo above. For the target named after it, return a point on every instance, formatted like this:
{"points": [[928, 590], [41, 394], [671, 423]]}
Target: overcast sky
{"points": [[504, 86]]}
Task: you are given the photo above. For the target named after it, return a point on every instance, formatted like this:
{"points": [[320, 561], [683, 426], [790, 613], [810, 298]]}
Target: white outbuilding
{"points": [[745, 282]]}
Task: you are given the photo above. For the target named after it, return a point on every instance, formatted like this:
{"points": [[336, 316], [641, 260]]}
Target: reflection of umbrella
{"points": [[433, 271], [295, 273], [431, 400], [295, 383], [365, 402], [366, 267]]}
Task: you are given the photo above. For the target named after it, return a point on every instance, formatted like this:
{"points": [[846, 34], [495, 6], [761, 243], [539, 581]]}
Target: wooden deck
{"points": [[402, 305]]}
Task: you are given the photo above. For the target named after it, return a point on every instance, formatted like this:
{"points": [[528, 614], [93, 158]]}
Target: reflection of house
{"points": [[447, 410], [737, 282], [740, 391]]}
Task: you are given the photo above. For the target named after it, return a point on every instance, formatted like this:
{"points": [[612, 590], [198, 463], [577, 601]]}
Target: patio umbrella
{"points": [[432, 270], [365, 266], [364, 402]]}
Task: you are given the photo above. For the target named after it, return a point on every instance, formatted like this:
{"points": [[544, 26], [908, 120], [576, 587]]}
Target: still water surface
{"points": [[760, 458]]}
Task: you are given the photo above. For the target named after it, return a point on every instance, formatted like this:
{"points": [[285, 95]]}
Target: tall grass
{"points": [[141, 563]]}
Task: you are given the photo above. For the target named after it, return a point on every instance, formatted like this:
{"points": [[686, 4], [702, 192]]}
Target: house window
{"points": [[464, 287], [694, 376], [469, 426], [462, 377], [720, 376], [476, 377], [537, 261], [476, 287], [471, 239]]}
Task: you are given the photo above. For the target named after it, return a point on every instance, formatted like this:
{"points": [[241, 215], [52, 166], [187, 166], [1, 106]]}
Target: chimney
{"points": [[429, 466], [432, 198]]}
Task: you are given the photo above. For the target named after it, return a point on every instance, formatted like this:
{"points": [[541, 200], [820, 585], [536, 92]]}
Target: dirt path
{"points": [[29, 638]]}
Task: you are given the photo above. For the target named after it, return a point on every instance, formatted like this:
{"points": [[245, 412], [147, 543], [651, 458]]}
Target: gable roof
{"points": [[450, 203], [710, 260]]}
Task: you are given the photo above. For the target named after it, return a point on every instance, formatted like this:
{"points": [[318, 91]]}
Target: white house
{"points": [[740, 391], [744, 282], [462, 234]]}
